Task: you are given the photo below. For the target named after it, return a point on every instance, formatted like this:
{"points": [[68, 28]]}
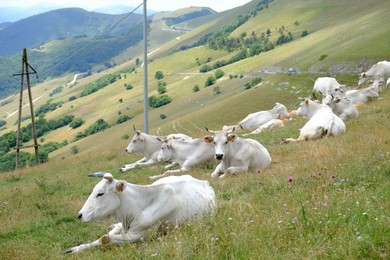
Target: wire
{"points": [[91, 42]]}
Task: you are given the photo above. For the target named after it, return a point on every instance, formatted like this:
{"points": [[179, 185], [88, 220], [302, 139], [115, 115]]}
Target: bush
{"points": [[161, 87], [123, 118], [210, 81], [76, 122], [195, 88], [159, 75], [2, 123], [75, 149], [128, 86], [159, 101], [323, 56], [219, 74], [163, 116], [205, 68]]}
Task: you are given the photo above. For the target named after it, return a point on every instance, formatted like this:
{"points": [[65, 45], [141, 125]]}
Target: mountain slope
{"points": [[339, 42], [59, 24]]}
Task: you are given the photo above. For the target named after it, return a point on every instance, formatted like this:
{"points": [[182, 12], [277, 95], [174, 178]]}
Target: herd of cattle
{"points": [[143, 210]]}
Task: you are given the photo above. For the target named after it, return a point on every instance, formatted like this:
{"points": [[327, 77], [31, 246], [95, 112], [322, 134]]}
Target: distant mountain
{"points": [[52, 37], [13, 14], [59, 24]]}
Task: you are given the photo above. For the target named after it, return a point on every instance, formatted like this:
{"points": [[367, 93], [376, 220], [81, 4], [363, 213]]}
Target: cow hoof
{"points": [[283, 141], [68, 251]]}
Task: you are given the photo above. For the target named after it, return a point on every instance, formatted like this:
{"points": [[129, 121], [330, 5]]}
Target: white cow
{"points": [[327, 86], [255, 120], [272, 124], [143, 210], [148, 146], [342, 107], [322, 121], [364, 95], [187, 153], [237, 154], [379, 71]]}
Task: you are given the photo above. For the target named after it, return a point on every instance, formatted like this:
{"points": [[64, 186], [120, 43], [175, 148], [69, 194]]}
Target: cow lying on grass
{"points": [[322, 122], [236, 154], [143, 210]]}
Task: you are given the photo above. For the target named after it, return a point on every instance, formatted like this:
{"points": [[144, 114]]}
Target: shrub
{"points": [[219, 74], [159, 101], [123, 118], [161, 87], [217, 90], [159, 75], [163, 116], [205, 68], [323, 56], [128, 86], [209, 81], [195, 88], [76, 122], [75, 149], [2, 123]]}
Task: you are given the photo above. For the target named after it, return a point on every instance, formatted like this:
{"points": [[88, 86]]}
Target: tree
{"points": [[210, 81], [159, 75], [219, 73]]}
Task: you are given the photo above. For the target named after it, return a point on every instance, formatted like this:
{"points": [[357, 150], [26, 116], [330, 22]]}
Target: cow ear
{"points": [[120, 186], [232, 137], [208, 139], [306, 101], [364, 75], [141, 139]]}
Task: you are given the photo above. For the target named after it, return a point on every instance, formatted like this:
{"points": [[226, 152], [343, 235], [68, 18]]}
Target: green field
{"points": [[335, 207]]}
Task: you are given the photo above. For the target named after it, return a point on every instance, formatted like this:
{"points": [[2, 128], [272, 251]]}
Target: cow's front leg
{"points": [[234, 170], [114, 239], [218, 170]]}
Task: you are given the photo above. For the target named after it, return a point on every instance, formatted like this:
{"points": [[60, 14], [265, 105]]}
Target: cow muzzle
{"points": [[219, 156], [80, 216]]}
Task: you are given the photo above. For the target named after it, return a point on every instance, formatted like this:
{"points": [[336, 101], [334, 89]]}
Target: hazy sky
{"points": [[157, 5]]}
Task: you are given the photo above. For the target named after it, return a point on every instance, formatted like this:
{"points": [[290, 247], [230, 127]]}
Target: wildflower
{"points": [[325, 204], [290, 179]]}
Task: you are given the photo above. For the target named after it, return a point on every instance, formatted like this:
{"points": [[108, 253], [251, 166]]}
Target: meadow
{"points": [[323, 199], [319, 199]]}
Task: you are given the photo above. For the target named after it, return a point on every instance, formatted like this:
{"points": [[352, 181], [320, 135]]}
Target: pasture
{"points": [[326, 199]]}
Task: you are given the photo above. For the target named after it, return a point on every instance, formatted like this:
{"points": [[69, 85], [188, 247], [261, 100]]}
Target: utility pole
{"points": [[26, 73], [146, 102]]}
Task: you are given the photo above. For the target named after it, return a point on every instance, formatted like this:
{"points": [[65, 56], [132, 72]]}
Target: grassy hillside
{"points": [[337, 205]]}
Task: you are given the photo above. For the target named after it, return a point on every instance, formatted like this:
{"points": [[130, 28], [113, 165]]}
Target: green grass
{"points": [[336, 207]]}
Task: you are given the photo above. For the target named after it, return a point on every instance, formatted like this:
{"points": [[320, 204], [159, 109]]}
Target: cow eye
{"points": [[99, 194], [214, 143], [226, 142]]}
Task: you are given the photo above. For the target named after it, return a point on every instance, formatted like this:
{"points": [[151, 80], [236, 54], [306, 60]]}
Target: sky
{"points": [[157, 5]]}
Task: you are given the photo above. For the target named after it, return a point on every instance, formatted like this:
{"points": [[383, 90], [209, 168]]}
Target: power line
{"points": [[92, 42]]}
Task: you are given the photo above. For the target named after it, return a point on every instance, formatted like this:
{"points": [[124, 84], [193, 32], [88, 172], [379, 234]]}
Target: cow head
{"points": [[221, 140], [362, 78], [137, 143], [166, 153], [103, 201]]}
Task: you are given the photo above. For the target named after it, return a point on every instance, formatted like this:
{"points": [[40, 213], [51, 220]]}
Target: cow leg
{"points": [[218, 170], [130, 166], [113, 239], [234, 170], [171, 165]]}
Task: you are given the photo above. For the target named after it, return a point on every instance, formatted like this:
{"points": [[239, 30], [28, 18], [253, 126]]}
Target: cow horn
{"points": [[210, 131], [138, 132], [97, 174]]}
